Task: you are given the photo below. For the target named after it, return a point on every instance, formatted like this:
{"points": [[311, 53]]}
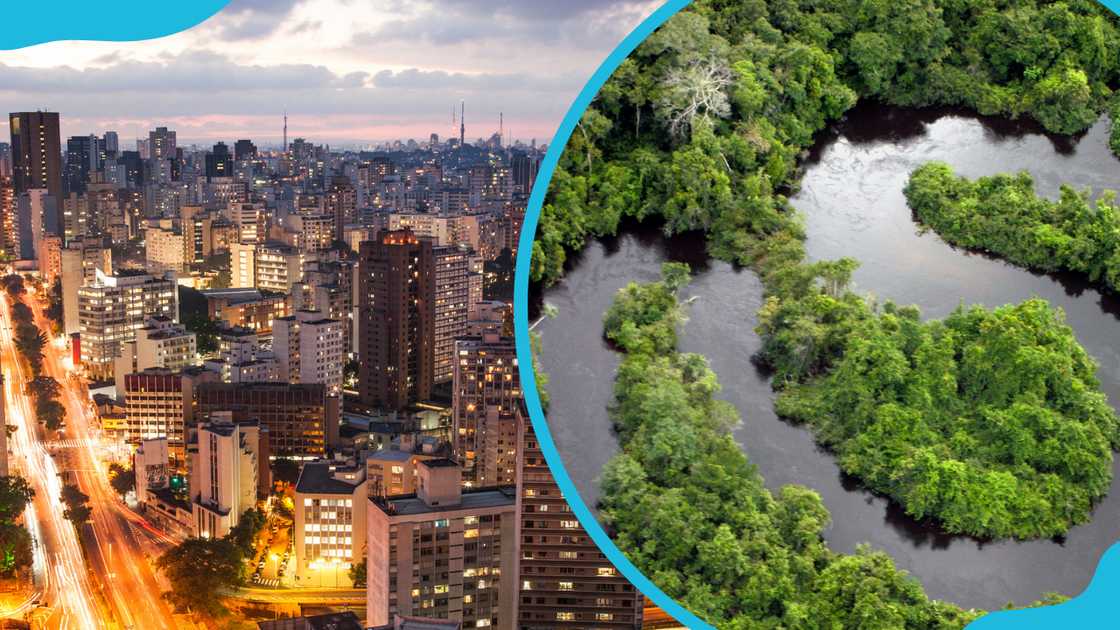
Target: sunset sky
{"points": [[346, 71]]}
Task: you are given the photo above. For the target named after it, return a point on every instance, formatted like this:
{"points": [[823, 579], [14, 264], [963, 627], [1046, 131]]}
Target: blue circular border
{"points": [[521, 319]]}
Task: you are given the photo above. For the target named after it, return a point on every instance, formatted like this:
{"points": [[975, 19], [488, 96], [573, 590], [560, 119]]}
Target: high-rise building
{"points": [[486, 394], [443, 553], [161, 144], [244, 150], [9, 237], [219, 163], [300, 417], [342, 202], [310, 348], [82, 158], [224, 479], [113, 308], [110, 143], [566, 581], [36, 212], [276, 267], [81, 259], [5, 160], [452, 307], [160, 343], [396, 320], [36, 154]]}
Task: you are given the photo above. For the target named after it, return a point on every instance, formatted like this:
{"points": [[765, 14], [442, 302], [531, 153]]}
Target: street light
{"points": [[275, 566], [334, 564]]}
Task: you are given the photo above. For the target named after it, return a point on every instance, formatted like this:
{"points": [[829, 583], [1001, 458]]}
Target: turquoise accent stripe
{"points": [[521, 318], [29, 23]]}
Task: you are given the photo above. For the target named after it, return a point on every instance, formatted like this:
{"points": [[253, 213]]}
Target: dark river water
{"points": [[851, 196]]}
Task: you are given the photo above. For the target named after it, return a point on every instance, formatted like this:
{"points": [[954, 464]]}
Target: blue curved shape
{"points": [[1089, 610], [30, 23], [521, 319], [1095, 607]]}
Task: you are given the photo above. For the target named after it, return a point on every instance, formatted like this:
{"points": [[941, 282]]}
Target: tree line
{"points": [[1003, 215]]}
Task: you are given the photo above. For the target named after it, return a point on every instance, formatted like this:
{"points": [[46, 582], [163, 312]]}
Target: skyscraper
{"points": [[396, 322], [565, 580], [485, 399], [219, 163], [81, 159], [36, 153]]}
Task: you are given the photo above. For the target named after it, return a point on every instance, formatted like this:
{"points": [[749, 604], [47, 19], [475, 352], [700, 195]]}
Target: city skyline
{"points": [[344, 73]]}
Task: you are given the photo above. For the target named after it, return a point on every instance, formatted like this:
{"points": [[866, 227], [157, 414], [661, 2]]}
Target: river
{"points": [[851, 197]]}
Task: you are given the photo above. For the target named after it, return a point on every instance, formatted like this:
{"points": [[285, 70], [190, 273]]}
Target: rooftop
{"points": [[318, 478], [410, 504]]}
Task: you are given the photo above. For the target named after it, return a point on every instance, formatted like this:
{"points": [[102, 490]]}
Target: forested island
{"points": [[690, 510], [703, 128], [1003, 214], [991, 422]]}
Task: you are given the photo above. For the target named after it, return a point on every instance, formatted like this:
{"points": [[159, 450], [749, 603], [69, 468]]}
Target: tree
{"points": [[696, 90], [77, 505], [357, 573], [285, 470], [15, 494], [249, 526], [123, 480], [15, 549], [199, 570]]}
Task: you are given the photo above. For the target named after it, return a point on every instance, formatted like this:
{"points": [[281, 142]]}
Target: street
{"points": [[119, 548]]}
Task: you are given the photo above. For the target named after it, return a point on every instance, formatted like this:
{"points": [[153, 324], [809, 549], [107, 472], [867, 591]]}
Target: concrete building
{"points": [[81, 260], [241, 359], [452, 307], [113, 308], [159, 404], [301, 419], [330, 523], [150, 463], [247, 308], [159, 343], [486, 395], [165, 248], [224, 476], [50, 258], [443, 553], [566, 581], [396, 320], [391, 472], [310, 348], [277, 267]]}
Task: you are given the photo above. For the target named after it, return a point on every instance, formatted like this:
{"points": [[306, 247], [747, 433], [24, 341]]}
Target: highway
{"points": [[59, 566], [118, 554], [118, 543]]}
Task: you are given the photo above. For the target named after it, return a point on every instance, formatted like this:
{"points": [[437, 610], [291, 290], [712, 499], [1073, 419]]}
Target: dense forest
{"points": [[1002, 214], [686, 505], [702, 128], [703, 125], [989, 421]]}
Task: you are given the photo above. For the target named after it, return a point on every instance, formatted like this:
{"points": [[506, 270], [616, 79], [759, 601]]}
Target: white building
{"points": [[224, 476], [330, 522], [160, 343], [113, 308], [310, 349]]}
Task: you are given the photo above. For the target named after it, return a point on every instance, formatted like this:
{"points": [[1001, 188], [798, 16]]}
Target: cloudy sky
{"points": [[345, 71]]}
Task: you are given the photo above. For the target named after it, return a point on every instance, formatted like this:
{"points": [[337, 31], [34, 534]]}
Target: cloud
{"points": [[251, 19]]}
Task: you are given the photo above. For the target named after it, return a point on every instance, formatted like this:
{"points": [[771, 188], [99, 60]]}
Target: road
{"points": [[120, 548], [59, 566], [118, 543]]}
